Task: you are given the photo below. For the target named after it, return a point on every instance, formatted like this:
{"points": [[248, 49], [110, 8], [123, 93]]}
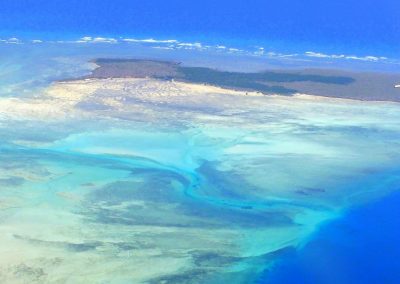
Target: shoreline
{"points": [[236, 154], [315, 82]]}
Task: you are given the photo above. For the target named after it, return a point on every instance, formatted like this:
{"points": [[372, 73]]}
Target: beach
{"points": [[164, 181], [191, 142]]}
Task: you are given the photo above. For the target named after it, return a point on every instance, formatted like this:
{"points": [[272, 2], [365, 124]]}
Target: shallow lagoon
{"points": [[171, 190]]}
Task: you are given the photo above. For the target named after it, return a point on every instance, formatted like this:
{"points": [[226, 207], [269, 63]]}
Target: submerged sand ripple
{"points": [[149, 181]]}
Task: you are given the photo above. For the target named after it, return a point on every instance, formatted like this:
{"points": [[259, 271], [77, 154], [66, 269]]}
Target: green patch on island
{"points": [[318, 82]]}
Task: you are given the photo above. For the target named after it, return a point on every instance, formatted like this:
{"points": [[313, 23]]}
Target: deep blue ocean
{"points": [[361, 247], [343, 26]]}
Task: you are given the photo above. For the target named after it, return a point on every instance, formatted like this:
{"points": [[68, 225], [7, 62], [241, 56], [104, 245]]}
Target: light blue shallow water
{"points": [[158, 192]]}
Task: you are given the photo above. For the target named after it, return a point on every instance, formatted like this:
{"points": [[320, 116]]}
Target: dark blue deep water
{"points": [[362, 247], [361, 27]]}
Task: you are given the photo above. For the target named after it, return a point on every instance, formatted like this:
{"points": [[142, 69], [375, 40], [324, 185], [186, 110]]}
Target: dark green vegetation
{"points": [[329, 83], [265, 82]]}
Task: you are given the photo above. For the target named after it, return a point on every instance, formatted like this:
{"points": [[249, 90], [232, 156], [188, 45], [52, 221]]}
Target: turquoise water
{"points": [[361, 247], [205, 189]]}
